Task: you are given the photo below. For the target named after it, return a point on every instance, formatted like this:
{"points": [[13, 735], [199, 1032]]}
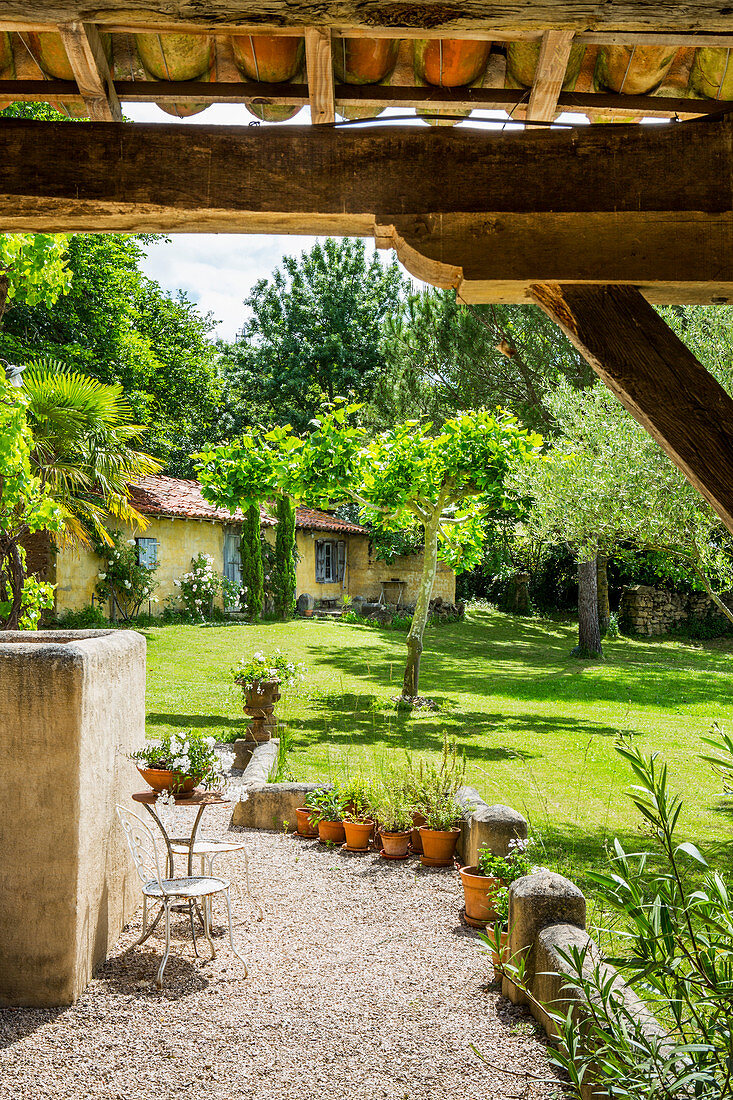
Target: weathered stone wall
{"points": [[71, 705], [646, 610]]}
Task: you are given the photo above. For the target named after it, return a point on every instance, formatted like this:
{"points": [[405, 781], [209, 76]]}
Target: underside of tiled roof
{"points": [[180, 498]]}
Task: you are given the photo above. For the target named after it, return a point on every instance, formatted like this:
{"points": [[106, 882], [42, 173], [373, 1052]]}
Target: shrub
{"points": [[84, 618], [123, 580], [200, 586]]}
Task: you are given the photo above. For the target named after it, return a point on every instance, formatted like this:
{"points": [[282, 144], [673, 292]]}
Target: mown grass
{"points": [[537, 726]]}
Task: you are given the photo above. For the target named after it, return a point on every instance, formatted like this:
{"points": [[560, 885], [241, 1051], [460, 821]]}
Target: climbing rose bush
{"points": [[200, 586], [122, 578]]}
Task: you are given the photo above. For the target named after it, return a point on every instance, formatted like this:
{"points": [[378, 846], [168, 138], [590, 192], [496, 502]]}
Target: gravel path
{"points": [[363, 984]]}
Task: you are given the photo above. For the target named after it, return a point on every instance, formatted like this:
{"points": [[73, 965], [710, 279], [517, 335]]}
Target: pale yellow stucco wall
{"points": [[180, 540]]}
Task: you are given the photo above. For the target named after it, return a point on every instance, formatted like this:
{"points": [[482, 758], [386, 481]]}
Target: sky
{"points": [[217, 271]]}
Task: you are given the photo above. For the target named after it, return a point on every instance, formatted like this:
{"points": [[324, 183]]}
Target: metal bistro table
{"points": [[202, 799]]}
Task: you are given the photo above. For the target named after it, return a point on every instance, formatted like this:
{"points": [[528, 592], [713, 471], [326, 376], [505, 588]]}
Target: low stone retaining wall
{"points": [[268, 805], [654, 611], [484, 826]]}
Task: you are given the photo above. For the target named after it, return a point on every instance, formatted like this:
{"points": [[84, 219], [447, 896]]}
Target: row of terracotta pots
{"points": [[435, 847]]}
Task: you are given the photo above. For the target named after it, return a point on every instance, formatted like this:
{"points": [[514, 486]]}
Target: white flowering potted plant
{"points": [[180, 762], [260, 678], [122, 578], [484, 883]]}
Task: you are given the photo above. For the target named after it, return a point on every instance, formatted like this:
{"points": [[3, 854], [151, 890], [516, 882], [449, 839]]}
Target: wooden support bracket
{"points": [[655, 377], [549, 75], [88, 62], [319, 66]]}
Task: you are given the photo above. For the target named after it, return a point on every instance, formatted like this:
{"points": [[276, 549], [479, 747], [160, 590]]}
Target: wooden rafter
{"points": [[655, 377], [651, 206], [435, 15], [86, 55], [549, 75], [319, 67]]}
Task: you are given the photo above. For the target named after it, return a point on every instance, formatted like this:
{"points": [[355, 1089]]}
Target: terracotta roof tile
{"points": [[180, 498]]}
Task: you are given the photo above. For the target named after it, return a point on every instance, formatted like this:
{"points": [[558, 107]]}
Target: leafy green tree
{"points": [[447, 483], [444, 356], [313, 333], [283, 569], [117, 326], [25, 506], [604, 482]]}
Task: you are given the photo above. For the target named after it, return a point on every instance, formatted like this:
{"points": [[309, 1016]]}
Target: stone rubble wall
{"points": [[652, 611]]}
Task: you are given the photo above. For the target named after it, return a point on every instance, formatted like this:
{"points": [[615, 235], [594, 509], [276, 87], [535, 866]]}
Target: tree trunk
{"points": [[589, 634], [604, 608], [411, 685], [11, 565]]}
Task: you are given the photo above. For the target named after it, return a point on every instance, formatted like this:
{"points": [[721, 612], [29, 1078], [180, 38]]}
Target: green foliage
{"points": [[35, 267], [313, 332], [201, 585], [282, 576], [123, 580], [261, 667], [507, 869], [115, 325], [253, 575], [25, 506], [84, 447], [393, 803], [357, 795], [189, 755], [90, 617], [678, 939], [326, 804]]}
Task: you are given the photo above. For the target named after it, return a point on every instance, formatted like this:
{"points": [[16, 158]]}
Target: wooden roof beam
{"points": [[549, 75], [655, 377], [319, 67], [91, 71]]}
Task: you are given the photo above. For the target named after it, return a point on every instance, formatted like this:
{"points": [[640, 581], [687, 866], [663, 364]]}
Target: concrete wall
{"points": [[71, 705]]}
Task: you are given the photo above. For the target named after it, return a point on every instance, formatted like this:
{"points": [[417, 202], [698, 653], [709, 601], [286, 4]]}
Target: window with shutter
{"points": [[320, 558], [147, 551]]}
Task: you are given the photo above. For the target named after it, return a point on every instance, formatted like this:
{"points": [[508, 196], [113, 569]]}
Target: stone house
{"points": [[335, 557]]}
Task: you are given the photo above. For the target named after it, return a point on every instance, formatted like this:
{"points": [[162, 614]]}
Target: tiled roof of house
{"points": [[180, 498]]}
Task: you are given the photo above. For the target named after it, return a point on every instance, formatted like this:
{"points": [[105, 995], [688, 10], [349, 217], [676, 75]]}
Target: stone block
{"points": [[72, 704], [270, 805], [535, 902], [484, 826]]}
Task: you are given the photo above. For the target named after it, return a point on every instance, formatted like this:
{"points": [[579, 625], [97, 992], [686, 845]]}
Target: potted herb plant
{"points": [[306, 817], [328, 812], [180, 762], [394, 813], [424, 776], [357, 798], [483, 883], [440, 834]]}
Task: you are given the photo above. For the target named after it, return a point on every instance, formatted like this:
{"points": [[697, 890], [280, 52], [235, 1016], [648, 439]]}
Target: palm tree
{"points": [[84, 451]]}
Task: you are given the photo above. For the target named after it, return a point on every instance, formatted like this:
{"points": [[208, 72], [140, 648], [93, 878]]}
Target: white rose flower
{"points": [[127, 584], [102, 576], [131, 542]]}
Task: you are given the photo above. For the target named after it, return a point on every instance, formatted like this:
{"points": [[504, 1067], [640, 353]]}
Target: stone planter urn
{"points": [[259, 706]]}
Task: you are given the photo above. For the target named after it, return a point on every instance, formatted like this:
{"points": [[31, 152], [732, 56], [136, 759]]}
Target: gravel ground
{"points": [[363, 984]]}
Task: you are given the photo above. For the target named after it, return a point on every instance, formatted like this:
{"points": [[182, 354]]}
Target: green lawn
{"points": [[537, 726]]}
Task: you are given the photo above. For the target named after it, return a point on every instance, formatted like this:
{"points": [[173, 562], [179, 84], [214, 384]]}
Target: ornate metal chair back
{"points": [[142, 845]]}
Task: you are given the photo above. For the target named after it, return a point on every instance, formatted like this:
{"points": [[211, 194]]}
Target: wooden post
{"points": [[549, 75], [319, 66], [655, 377], [85, 51]]}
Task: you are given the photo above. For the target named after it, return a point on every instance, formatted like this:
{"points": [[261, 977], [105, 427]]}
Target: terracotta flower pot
{"points": [[358, 834], [331, 832], [479, 892], [499, 961], [395, 844], [417, 821], [161, 780], [306, 826], [438, 845]]}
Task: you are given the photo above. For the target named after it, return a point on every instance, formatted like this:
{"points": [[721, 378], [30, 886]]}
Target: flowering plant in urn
{"points": [[180, 762], [260, 677]]}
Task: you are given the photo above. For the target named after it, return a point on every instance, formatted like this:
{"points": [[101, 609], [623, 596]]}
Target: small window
{"points": [[147, 551], [330, 561]]}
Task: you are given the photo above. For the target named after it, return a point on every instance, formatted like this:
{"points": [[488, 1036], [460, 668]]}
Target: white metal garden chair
{"points": [[169, 891], [207, 849]]}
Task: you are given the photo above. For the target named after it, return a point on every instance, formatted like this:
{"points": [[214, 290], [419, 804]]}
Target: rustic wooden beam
{"points": [[655, 377], [435, 15], [196, 91], [549, 75], [319, 67], [492, 212], [91, 70]]}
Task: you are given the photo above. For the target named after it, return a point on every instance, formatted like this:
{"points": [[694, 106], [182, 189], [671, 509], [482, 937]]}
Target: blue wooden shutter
{"points": [[147, 551], [320, 562], [341, 560]]}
